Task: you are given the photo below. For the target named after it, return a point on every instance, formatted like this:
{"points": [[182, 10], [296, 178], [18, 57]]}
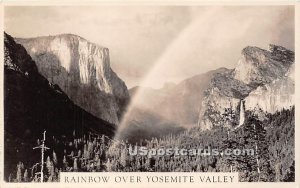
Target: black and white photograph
{"points": [[149, 89]]}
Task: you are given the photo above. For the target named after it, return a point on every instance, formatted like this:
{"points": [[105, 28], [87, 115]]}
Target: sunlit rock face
{"points": [[224, 92], [213, 106], [274, 72], [82, 69], [264, 79], [273, 97]]}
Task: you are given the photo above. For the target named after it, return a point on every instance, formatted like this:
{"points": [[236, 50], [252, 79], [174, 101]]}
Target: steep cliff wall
{"points": [[82, 69]]}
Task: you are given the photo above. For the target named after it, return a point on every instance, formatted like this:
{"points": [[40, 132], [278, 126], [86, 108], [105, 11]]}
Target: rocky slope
{"points": [[258, 66], [32, 105], [262, 79], [82, 70]]}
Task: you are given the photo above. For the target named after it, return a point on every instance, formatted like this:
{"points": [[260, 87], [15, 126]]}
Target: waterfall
{"points": [[242, 113]]}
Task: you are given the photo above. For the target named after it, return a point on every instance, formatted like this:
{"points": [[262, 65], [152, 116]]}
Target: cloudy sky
{"points": [[151, 45]]}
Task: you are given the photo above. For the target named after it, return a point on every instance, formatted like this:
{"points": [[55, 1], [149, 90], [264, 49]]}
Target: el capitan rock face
{"points": [[82, 70]]}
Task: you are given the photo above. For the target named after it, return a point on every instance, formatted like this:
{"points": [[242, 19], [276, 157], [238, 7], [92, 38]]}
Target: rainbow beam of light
{"points": [[171, 51]]}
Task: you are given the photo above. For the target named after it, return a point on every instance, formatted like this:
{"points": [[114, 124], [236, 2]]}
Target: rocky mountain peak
{"points": [[263, 79], [258, 66], [253, 52], [82, 69], [282, 54]]}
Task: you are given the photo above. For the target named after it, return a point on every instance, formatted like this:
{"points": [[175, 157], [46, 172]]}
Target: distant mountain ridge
{"points": [[179, 103], [82, 70]]}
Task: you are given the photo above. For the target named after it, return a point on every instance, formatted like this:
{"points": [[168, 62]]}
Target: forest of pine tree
{"points": [[272, 138]]}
